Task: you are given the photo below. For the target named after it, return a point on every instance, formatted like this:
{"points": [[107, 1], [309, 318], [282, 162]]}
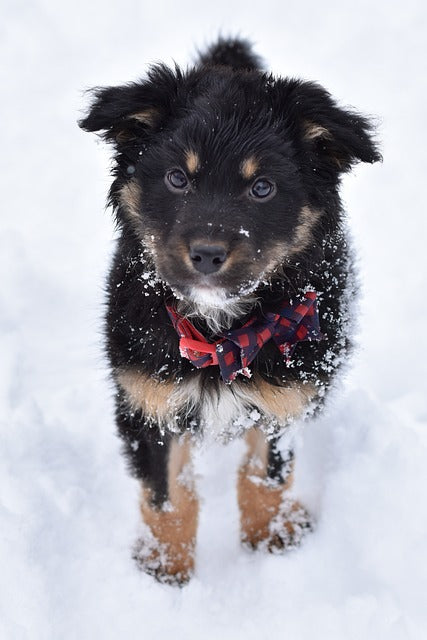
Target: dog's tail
{"points": [[232, 52]]}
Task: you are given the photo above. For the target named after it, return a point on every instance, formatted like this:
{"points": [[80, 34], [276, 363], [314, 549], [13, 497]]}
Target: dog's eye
{"points": [[176, 179], [262, 189]]}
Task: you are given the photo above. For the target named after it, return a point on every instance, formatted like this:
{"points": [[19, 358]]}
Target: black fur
{"points": [[146, 449], [226, 109], [234, 53]]}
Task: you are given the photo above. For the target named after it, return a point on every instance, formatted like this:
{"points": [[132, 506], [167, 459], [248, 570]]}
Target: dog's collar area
{"points": [[234, 350]]}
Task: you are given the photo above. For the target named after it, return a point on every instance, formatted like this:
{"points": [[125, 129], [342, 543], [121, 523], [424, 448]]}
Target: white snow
{"points": [[244, 232], [68, 509]]}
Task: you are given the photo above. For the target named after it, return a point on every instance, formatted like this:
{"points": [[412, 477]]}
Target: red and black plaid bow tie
{"points": [[235, 350]]}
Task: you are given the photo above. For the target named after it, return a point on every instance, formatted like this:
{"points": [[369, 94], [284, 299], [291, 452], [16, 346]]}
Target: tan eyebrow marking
{"points": [[249, 167], [192, 161]]}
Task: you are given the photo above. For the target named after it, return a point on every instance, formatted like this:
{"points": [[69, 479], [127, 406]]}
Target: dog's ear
{"points": [[336, 136], [126, 112]]}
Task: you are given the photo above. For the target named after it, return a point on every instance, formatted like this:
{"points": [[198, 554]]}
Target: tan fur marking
{"points": [[276, 254], [259, 504], [174, 527], [259, 500], [257, 449], [147, 116], [161, 400], [146, 393], [249, 167], [307, 219], [184, 254], [281, 403], [130, 199], [192, 161], [313, 131]]}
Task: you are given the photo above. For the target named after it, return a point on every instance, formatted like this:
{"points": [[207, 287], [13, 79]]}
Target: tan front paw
{"points": [[278, 532], [289, 527], [167, 549], [169, 564], [268, 519]]}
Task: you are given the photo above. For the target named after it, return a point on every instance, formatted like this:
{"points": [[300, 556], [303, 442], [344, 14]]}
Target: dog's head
{"points": [[226, 174]]}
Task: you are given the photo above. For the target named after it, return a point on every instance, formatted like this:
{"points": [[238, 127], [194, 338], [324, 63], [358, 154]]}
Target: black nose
{"points": [[207, 258]]}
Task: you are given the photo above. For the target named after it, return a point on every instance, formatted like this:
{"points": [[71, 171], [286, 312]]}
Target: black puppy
{"points": [[228, 297]]}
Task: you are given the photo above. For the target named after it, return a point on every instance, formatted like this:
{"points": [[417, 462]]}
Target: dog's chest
{"points": [[230, 409], [227, 412], [223, 411]]}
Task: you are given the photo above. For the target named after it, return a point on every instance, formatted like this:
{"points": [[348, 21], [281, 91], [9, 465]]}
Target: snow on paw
{"points": [[167, 548], [269, 520], [288, 529], [168, 566]]}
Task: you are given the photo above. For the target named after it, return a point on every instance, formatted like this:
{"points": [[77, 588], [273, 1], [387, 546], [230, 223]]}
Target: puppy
{"points": [[230, 289]]}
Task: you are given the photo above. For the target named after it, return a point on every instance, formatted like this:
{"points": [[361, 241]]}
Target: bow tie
{"points": [[233, 351]]}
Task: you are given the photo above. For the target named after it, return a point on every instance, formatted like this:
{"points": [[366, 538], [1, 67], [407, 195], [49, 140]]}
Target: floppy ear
{"points": [[125, 112], [336, 136]]}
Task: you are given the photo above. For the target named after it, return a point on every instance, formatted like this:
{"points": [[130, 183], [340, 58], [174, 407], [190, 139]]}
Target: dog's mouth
{"points": [[212, 295], [208, 295], [215, 294]]}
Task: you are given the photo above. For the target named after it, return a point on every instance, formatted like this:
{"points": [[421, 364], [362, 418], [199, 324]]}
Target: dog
{"points": [[229, 295]]}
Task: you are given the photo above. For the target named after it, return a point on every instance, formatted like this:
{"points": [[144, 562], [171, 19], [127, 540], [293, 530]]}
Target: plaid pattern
{"points": [[235, 350]]}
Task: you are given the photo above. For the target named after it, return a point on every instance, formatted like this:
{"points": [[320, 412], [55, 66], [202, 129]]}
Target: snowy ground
{"points": [[68, 511]]}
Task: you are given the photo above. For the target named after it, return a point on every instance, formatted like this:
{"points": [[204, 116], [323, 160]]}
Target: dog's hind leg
{"points": [[269, 517], [169, 506]]}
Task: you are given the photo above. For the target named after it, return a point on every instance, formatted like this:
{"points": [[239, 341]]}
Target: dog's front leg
{"points": [[169, 506], [269, 517]]}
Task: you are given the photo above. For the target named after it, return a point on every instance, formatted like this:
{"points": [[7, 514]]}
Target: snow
{"points": [[68, 509]]}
